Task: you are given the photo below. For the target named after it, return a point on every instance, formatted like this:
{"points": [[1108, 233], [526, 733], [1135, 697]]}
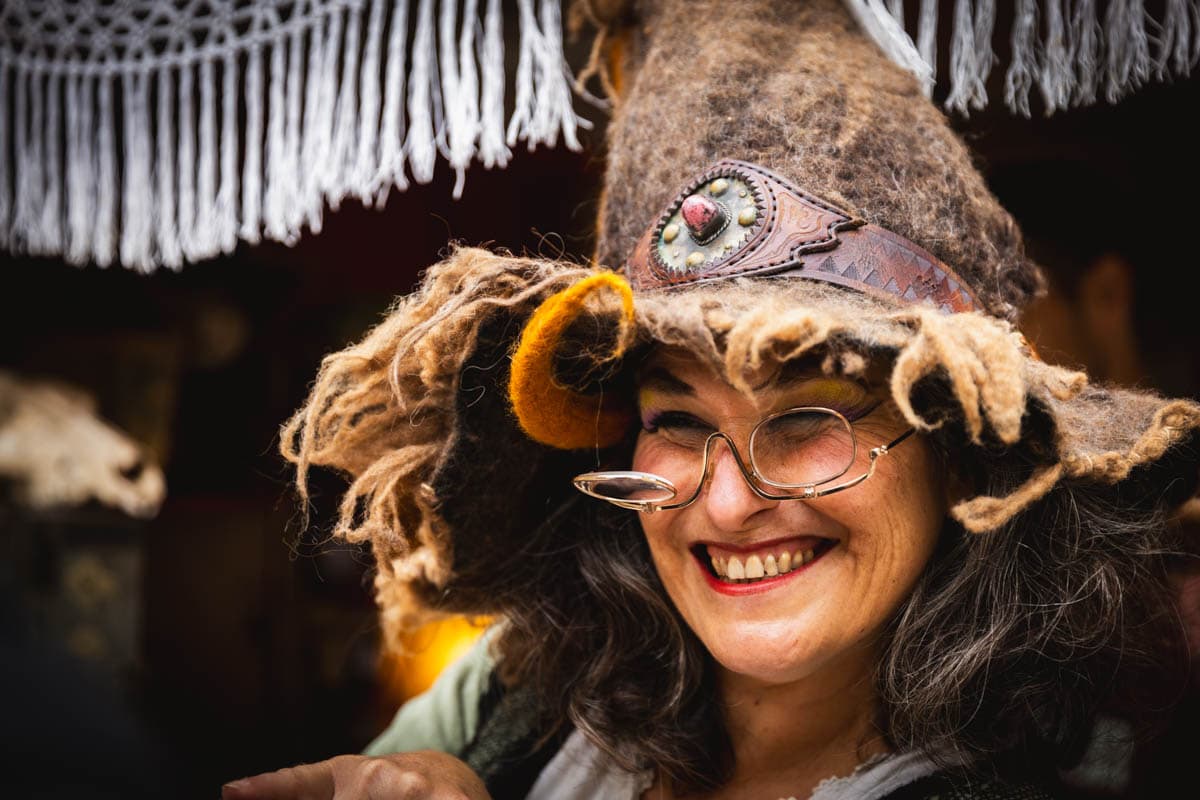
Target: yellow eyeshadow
{"points": [[646, 397], [826, 392]]}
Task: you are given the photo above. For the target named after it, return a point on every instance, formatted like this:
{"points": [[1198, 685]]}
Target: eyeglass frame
{"points": [[750, 475]]}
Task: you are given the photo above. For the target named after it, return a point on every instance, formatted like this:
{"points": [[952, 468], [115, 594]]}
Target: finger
{"points": [[305, 782], [380, 779]]}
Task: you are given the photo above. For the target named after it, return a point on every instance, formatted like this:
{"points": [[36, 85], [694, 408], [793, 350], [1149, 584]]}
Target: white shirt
{"points": [[580, 771]]}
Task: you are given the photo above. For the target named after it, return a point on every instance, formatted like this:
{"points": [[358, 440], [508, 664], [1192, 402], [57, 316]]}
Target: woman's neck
{"points": [[797, 734], [788, 737]]}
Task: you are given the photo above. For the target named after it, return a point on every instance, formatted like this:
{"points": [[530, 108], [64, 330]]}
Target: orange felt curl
{"points": [[548, 412]]}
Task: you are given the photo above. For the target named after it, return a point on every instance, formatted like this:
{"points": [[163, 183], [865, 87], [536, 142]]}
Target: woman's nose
{"points": [[728, 499]]}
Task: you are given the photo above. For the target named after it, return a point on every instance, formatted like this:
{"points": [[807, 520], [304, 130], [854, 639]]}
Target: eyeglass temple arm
{"points": [[894, 442]]}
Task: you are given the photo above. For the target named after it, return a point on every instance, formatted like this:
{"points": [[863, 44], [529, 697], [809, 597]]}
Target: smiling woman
{"points": [[848, 559], [838, 532], [790, 599]]}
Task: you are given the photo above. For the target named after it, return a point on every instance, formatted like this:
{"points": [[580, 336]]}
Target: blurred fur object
{"points": [[60, 453]]}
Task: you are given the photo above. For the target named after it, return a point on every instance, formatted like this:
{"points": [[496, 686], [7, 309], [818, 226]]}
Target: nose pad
{"points": [[729, 497], [724, 462]]}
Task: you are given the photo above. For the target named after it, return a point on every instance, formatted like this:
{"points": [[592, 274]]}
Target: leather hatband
{"points": [[739, 219]]}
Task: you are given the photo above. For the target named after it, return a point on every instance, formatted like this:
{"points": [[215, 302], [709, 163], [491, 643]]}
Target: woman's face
{"points": [[851, 557]]}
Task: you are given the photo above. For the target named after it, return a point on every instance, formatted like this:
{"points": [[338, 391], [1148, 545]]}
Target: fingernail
{"points": [[235, 787]]}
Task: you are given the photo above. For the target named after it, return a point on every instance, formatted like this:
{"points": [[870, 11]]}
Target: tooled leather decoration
{"points": [[739, 219]]}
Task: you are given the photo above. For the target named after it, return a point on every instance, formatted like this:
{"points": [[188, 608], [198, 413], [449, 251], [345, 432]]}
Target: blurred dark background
{"points": [[220, 639]]}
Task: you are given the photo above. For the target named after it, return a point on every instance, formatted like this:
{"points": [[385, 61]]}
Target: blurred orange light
{"points": [[428, 651]]}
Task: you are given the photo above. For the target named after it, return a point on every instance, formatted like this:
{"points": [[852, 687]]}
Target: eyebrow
{"points": [[661, 380]]}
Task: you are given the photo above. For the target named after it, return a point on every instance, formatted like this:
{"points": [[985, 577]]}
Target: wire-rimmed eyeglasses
{"points": [[795, 454]]}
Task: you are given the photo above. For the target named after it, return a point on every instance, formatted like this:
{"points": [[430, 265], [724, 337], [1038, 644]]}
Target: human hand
{"points": [[422, 775]]}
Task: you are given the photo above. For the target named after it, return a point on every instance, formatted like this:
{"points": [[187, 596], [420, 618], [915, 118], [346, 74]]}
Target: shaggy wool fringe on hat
{"points": [[384, 412]]}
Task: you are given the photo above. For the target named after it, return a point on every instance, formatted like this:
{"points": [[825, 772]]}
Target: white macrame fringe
{"points": [[1070, 50], [1023, 68], [116, 150], [885, 25], [244, 119], [927, 22]]}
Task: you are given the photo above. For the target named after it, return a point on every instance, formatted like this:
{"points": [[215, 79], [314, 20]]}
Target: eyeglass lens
{"points": [[804, 447]]}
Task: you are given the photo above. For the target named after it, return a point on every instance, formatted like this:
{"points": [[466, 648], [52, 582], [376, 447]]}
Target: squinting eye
{"points": [[857, 412], [674, 421]]}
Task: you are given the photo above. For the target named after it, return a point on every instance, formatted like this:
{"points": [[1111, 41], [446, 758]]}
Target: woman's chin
{"points": [[763, 671], [763, 656]]}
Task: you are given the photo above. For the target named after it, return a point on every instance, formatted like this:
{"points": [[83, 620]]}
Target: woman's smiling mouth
{"points": [[739, 570]]}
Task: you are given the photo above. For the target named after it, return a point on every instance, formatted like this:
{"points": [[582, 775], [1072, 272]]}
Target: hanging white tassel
{"points": [[105, 231], [1055, 77], [30, 209], [985, 57], [1128, 47], [81, 169], [419, 142], [363, 173], [311, 138], [971, 55], [280, 190], [204, 239], [460, 88], [166, 233], [187, 160], [5, 180], [493, 150], [288, 168], [927, 35], [320, 129], [1021, 71], [324, 169], [555, 112], [226, 211], [391, 122], [5, 176], [1085, 51], [523, 109], [1195, 57], [252, 161], [51, 222], [27, 143], [887, 31], [1175, 43], [342, 146], [962, 59], [137, 233]]}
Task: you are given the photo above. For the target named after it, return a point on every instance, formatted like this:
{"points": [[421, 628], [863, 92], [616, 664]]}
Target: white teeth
{"points": [[756, 567]]}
